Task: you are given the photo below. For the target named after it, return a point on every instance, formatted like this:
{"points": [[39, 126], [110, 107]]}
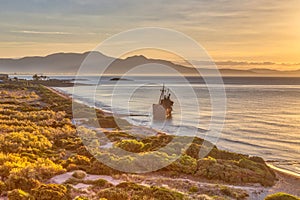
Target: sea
{"points": [[262, 116]]}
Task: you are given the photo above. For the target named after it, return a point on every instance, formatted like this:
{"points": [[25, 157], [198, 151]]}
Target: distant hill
{"points": [[69, 63]]}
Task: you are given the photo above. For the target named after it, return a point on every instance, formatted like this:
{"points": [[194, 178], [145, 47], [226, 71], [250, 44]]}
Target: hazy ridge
{"points": [[69, 63]]}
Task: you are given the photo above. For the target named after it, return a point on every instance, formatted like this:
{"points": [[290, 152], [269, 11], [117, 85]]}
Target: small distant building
{"points": [[3, 77]]}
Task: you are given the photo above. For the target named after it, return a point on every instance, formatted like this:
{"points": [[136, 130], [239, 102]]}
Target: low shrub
{"points": [[156, 142], [184, 164], [113, 193], [3, 187], [83, 152], [115, 136], [99, 168], [244, 171], [18, 194], [18, 142], [143, 192], [20, 182], [193, 150], [281, 196], [98, 183], [130, 186], [194, 189], [42, 169], [131, 145], [51, 192], [81, 198], [73, 181], [224, 155], [82, 162], [234, 193], [69, 143], [166, 194], [205, 197]]}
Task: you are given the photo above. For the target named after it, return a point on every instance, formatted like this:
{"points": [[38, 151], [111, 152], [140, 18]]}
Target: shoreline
{"points": [[67, 96], [284, 171], [286, 183], [221, 174], [287, 180]]}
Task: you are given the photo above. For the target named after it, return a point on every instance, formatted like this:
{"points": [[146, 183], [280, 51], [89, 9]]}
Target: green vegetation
{"points": [[18, 194], [127, 190], [193, 189], [281, 196], [81, 198], [98, 183], [19, 182], [38, 141], [20, 142], [235, 171], [233, 193], [131, 145], [76, 161], [185, 164], [51, 192]]}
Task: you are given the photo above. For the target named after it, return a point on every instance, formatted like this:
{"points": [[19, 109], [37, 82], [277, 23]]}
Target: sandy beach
{"points": [[286, 183]]}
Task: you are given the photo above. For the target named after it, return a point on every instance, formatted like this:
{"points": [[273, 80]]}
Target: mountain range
{"points": [[96, 62]]}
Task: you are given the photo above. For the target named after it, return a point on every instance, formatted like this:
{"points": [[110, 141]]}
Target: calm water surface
{"points": [[263, 114]]}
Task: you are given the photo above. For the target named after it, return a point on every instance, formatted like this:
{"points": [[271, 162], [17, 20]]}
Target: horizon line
{"points": [[217, 62]]}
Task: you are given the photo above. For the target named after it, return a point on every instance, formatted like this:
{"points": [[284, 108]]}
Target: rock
{"points": [[79, 174]]}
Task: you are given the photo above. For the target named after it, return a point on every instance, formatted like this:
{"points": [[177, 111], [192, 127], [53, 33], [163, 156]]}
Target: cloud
{"points": [[230, 29], [242, 63], [245, 63], [42, 32]]}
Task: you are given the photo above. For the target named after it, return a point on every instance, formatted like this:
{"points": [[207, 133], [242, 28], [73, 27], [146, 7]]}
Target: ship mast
{"points": [[161, 94]]}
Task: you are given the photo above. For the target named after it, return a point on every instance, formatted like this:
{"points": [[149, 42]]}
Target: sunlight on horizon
{"points": [[251, 32]]}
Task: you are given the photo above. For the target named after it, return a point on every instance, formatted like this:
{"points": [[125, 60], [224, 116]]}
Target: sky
{"points": [[239, 31]]}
